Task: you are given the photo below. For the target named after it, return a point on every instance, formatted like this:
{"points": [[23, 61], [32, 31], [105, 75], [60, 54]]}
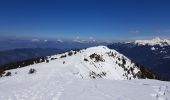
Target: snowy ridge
{"points": [[155, 41], [96, 62], [60, 75], [101, 62]]}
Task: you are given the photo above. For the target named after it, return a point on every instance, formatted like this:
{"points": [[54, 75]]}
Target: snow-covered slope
{"points": [[155, 41], [96, 62], [100, 62], [116, 90], [68, 76]]}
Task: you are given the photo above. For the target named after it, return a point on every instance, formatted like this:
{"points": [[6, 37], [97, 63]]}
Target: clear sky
{"points": [[108, 19]]}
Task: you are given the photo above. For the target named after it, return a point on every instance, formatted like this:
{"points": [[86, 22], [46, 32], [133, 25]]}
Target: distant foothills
{"points": [[153, 54]]}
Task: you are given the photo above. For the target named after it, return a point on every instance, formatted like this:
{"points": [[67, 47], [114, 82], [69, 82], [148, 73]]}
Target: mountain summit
{"points": [[154, 41]]}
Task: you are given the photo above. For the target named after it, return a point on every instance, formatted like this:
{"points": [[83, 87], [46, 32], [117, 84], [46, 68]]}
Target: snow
{"points": [[163, 51], [81, 68], [166, 57], [116, 90], [70, 80], [153, 48], [155, 41]]}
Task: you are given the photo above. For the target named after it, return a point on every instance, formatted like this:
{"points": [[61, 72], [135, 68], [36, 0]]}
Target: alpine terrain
{"points": [[95, 73], [153, 54]]}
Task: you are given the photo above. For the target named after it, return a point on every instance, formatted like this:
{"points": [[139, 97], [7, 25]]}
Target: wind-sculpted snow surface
{"points": [[70, 76]]}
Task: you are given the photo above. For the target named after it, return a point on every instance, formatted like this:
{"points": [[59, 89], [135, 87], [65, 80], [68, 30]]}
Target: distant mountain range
{"points": [[154, 54], [15, 55], [18, 50], [9, 44], [153, 42]]}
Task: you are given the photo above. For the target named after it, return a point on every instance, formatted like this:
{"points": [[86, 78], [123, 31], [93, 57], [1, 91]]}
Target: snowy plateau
{"points": [[96, 73]]}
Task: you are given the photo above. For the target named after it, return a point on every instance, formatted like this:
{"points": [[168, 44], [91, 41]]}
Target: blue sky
{"points": [[102, 19]]}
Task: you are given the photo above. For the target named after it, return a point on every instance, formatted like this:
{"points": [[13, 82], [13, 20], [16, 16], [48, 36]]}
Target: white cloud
{"points": [[35, 40], [77, 37], [107, 41], [77, 41], [45, 40], [91, 38], [59, 40], [134, 32]]}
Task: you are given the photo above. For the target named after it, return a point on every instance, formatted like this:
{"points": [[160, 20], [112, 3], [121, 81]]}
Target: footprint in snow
{"points": [[160, 92]]}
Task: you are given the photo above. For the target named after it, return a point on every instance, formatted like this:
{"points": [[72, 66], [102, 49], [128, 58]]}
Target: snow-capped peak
{"points": [[154, 41]]}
